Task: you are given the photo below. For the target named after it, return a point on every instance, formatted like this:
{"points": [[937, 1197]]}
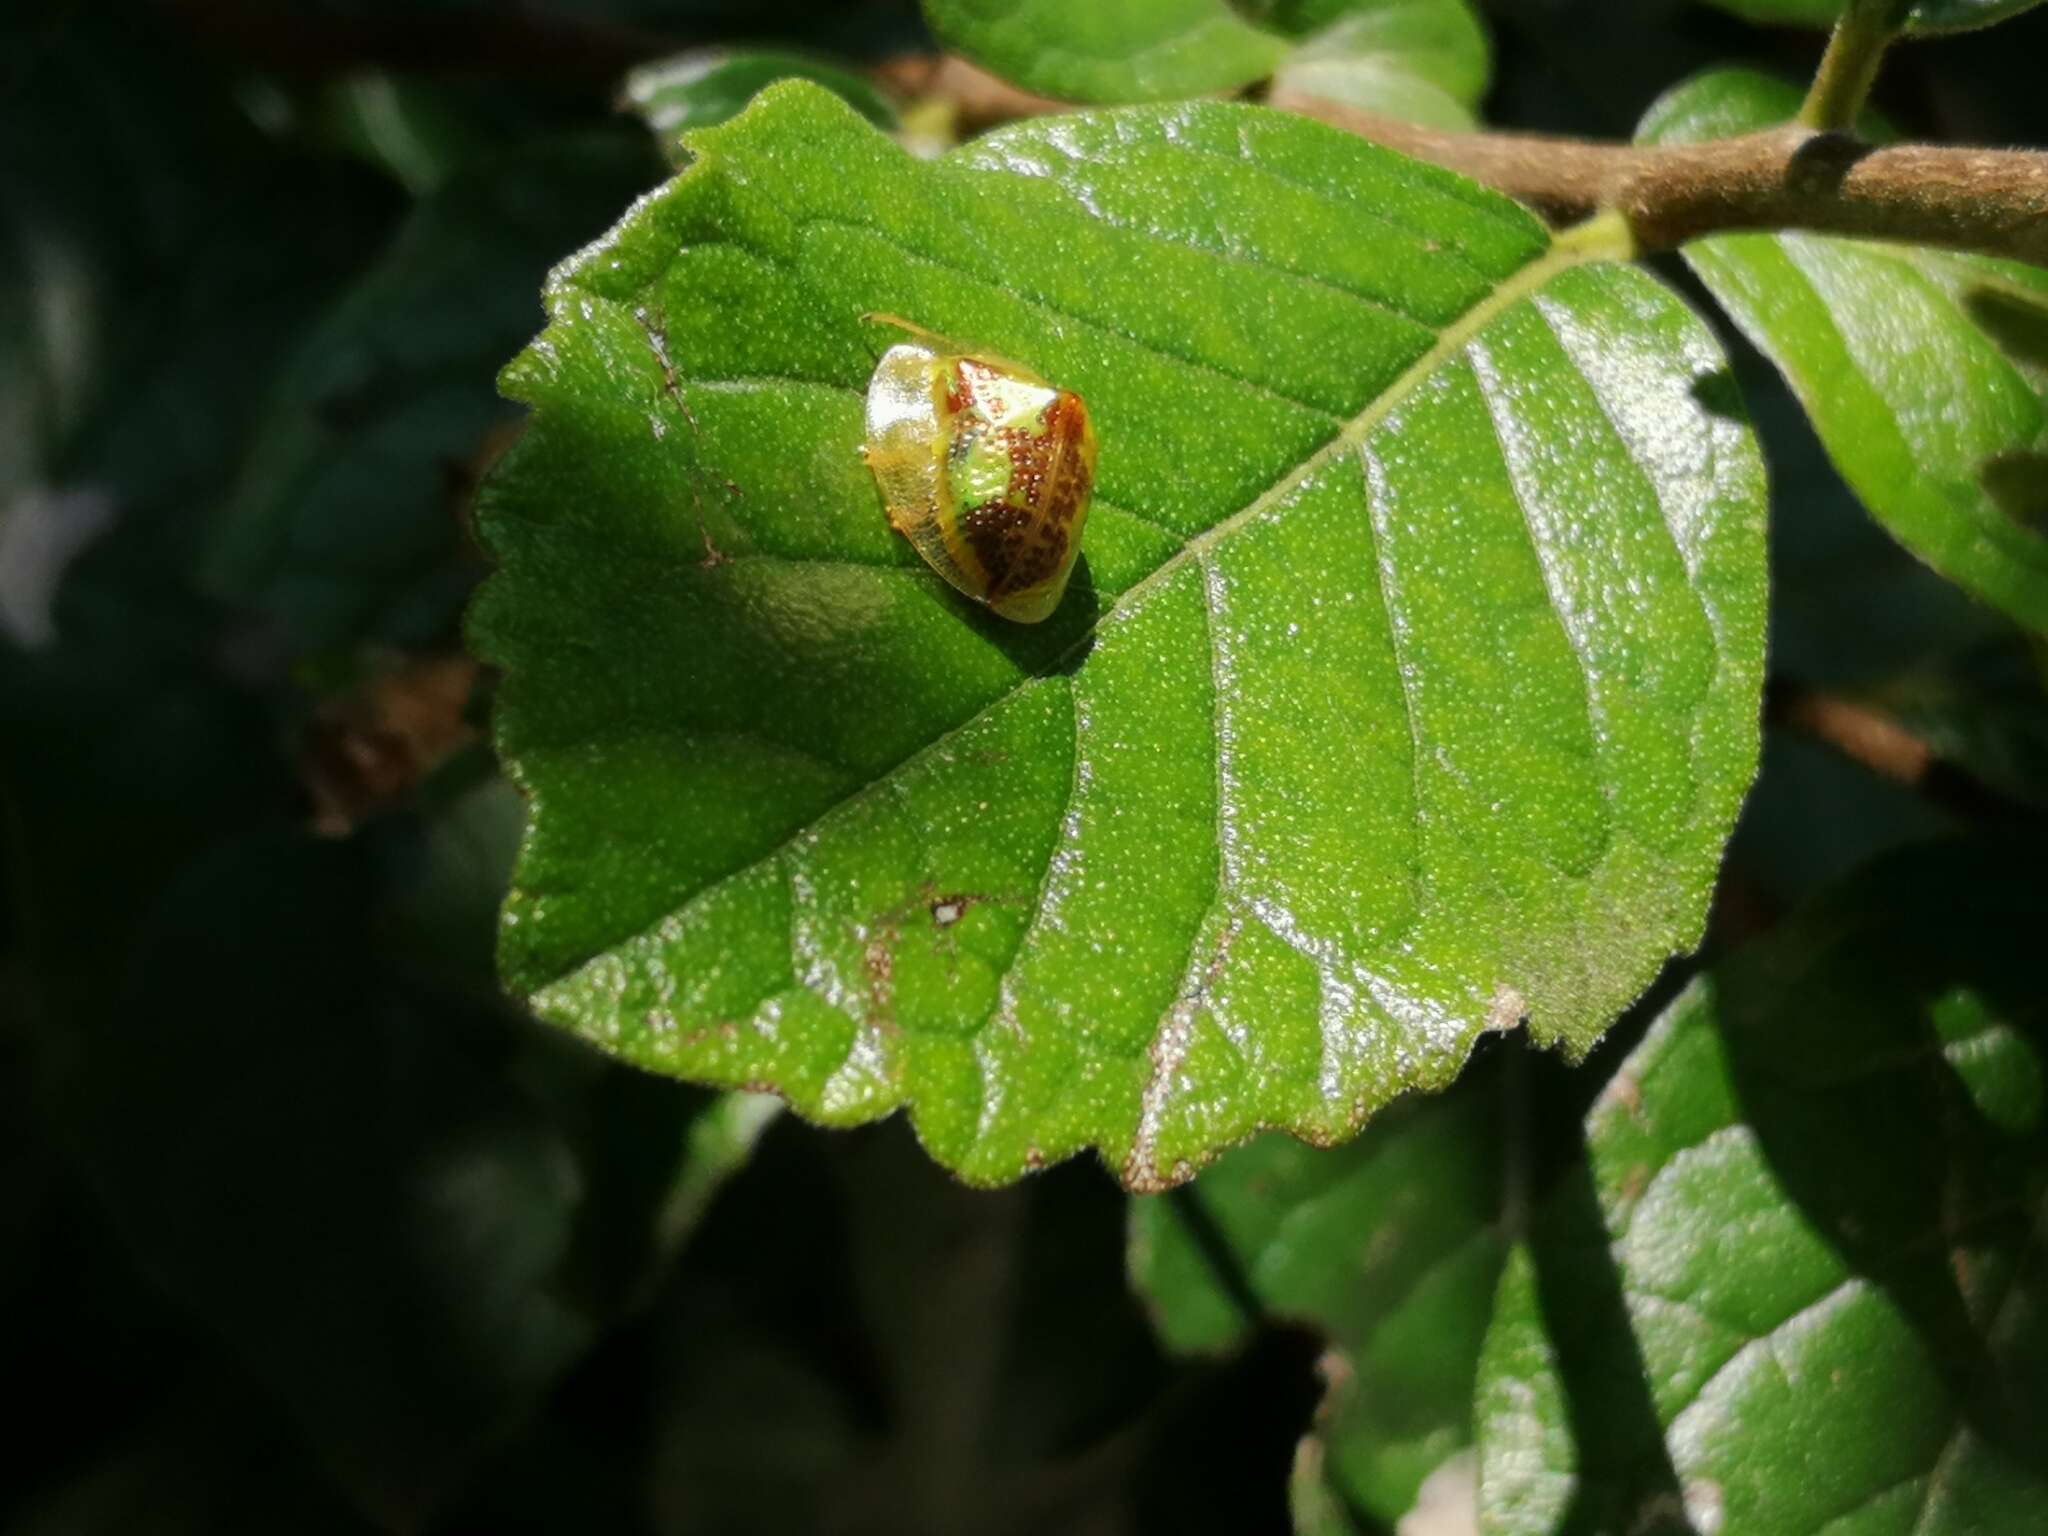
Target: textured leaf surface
{"points": [[1925, 371], [1425, 59], [1390, 1248], [1800, 1287], [1410, 681], [1928, 16]]}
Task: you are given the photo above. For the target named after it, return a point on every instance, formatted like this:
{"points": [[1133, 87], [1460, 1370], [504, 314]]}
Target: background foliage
{"points": [[302, 1226]]}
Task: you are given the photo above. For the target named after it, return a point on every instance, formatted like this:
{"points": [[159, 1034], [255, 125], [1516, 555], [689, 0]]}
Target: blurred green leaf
{"points": [[1420, 59], [1797, 1284], [347, 522], [1855, 617], [1965, 15], [1928, 16], [404, 1215], [1925, 371], [390, 1283], [1350, 742], [1080, 50], [1003, 1401], [1815, 817], [1850, 606], [209, 1463], [143, 322], [1389, 1248], [410, 130], [442, 892], [1423, 61], [697, 90]]}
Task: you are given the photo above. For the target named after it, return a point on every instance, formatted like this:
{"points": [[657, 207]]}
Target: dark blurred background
{"points": [[302, 1228]]}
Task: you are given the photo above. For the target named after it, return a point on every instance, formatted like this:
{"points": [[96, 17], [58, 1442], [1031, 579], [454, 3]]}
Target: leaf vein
{"points": [[1052, 308]]}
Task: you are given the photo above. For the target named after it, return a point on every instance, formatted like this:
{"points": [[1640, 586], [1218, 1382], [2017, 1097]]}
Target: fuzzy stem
{"points": [[1849, 68], [1993, 202]]}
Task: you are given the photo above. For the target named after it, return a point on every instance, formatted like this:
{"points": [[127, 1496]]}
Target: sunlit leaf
{"points": [[1797, 1286], [1925, 371], [1409, 687], [1390, 1248], [1420, 59]]}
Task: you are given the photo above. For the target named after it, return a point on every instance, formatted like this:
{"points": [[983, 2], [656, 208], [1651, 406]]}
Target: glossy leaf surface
{"points": [[1798, 1285], [1925, 371], [1408, 686], [1390, 1248], [1425, 59]]}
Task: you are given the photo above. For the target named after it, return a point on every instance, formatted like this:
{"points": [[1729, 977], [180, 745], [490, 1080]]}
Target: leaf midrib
{"points": [[1450, 341]]}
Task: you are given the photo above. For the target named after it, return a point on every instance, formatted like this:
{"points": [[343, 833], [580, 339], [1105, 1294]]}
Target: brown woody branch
{"points": [[980, 100], [1991, 201], [1877, 741]]}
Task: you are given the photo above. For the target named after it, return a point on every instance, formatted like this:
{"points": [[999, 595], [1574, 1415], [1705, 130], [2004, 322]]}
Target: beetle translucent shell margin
{"points": [[985, 467]]}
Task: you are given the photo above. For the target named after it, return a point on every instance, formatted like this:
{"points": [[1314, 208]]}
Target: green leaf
{"points": [[1016, 1394], [1797, 1284], [1080, 50], [140, 324], [696, 90], [1425, 59], [1929, 16], [400, 1282], [1389, 1247], [1925, 371], [406, 128], [1410, 683]]}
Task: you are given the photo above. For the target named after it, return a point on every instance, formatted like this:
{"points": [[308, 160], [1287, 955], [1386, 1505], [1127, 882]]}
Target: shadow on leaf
{"points": [[1902, 1114]]}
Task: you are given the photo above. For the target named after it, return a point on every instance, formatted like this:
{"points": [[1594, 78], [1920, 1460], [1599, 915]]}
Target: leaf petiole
{"points": [[1849, 68]]}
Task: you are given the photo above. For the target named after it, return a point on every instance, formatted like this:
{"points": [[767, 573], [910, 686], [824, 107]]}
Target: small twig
{"points": [[1872, 739], [1994, 202], [1849, 68], [1857, 731], [980, 99], [1225, 1264]]}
